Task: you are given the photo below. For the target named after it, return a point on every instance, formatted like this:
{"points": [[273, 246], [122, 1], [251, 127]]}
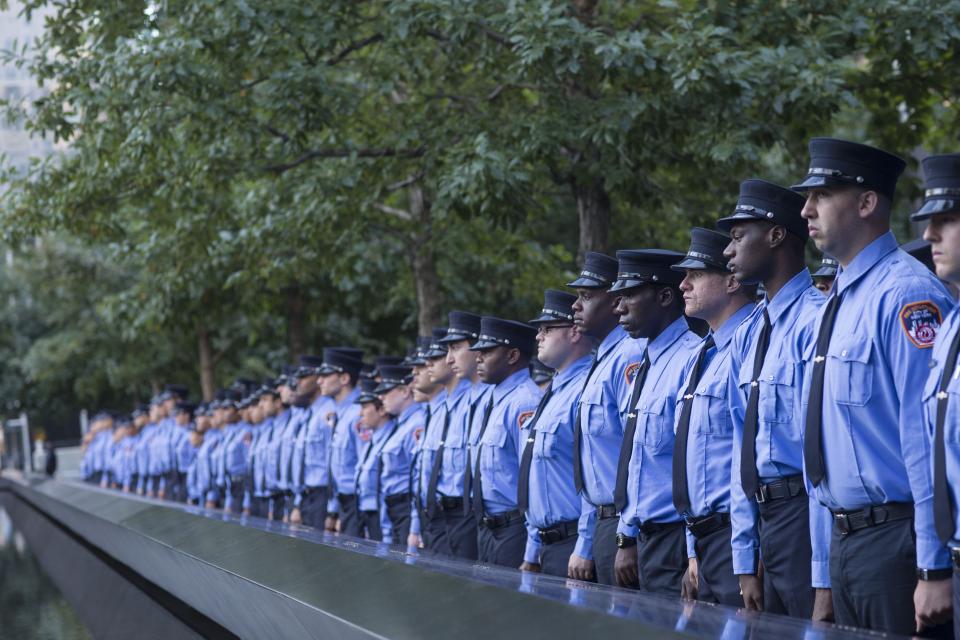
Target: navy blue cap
{"points": [[179, 390], [415, 359], [139, 409], [556, 307], [497, 332], [828, 268], [309, 365], [941, 186], [186, 407], [368, 371], [336, 360], [393, 375], [921, 250], [762, 200], [381, 361], [245, 385], [646, 266], [461, 326], [437, 349], [367, 391], [705, 252], [540, 372], [350, 351], [841, 162], [598, 272]]}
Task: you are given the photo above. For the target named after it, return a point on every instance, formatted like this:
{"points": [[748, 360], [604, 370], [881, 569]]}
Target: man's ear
{"points": [[513, 356], [666, 296], [776, 236], [868, 202]]}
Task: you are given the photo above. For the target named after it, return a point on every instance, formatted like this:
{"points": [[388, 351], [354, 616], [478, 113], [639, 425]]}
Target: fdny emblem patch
{"points": [[920, 321], [362, 431], [630, 373], [523, 417], [417, 433]]}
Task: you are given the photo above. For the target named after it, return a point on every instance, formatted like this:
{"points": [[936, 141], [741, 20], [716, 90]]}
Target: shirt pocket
{"points": [[547, 443], [315, 446], [593, 414], [651, 425], [851, 376], [716, 419], [951, 424], [776, 393], [495, 455]]}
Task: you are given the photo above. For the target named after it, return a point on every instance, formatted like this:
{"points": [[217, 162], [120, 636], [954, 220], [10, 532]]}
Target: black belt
{"points": [[705, 525], [849, 521], [649, 527], [308, 490], [346, 498], [450, 503], [396, 499], [789, 487], [502, 520], [558, 532], [606, 511]]}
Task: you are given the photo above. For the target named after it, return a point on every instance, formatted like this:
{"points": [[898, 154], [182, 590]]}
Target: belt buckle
{"points": [[762, 494], [843, 523]]}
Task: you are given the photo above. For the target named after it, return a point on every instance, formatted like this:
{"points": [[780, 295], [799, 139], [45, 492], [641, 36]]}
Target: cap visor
{"points": [[383, 387], [484, 345], [623, 285], [587, 283], [933, 207], [691, 264], [724, 224], [811, 182], [453, 337]]}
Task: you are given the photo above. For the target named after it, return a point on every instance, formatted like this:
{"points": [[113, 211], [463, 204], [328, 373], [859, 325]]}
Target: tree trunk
{"points": [[424, 264], [296, 325], [205, 349], [593, 211]]}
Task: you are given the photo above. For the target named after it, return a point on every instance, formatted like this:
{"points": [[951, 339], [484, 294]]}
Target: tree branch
{"points": [[346, 153], [400, 213], [406, 182], [354, 46]]}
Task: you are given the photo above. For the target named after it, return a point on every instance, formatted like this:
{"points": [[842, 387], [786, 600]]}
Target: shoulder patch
{"points": [[921, 321], [630, 373], [417, 433], [523, 417], [364, 433]]}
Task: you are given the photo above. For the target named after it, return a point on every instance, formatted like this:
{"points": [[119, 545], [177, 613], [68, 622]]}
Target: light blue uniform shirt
{"points": [[397, 453], [206, 476], [128, 465], [873, 440], [552, 495], [951, 424], [602, 404], [346, 444], [650, 473], [160, 458], [310, 465], [259, 457], [710, 435], [779, 443], [515, 401], [143, 454], [418, 478], [288, 441], [272, 469], [367, 481], [453, 463]]}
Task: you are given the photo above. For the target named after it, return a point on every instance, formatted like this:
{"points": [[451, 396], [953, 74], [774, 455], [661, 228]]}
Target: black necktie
{"points": [[626, 447], [468, 471], [435, 470], [942, 503], [578, 431], [303, 465], [812, 452], [749, 479], [681, 492], [475, 479], [523, 481], [414, 470]]}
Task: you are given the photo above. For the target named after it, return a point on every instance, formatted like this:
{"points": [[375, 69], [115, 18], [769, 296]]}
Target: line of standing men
{"points": [[789, 461]]}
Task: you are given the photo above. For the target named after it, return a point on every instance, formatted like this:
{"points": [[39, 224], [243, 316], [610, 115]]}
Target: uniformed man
{"points": [[429, 528], [162, 461], [206, 486], [231, 476], [503, 350], [598, 431], [339, 374], [546, 493], [704, 436], [285, 440], [310, 464], [824, 276], [444, 475], [651, 541], [147, 433], [202, 421], [380, 427], [397, 453], [864, 445], [941, 208], [459, 523], [269, 406], [129, 479], [771, 508], [184, 453]]}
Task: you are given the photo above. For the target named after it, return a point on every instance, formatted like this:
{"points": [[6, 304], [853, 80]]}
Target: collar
{"points": [[438, 399], [512, 381], [409, 411], [383, 430], [462, 387], [723, 335], [864, 261], [612, 340], [478, 390], [666, 338], [785, 298], [571, 372], [349, 399], [320, 401]]}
